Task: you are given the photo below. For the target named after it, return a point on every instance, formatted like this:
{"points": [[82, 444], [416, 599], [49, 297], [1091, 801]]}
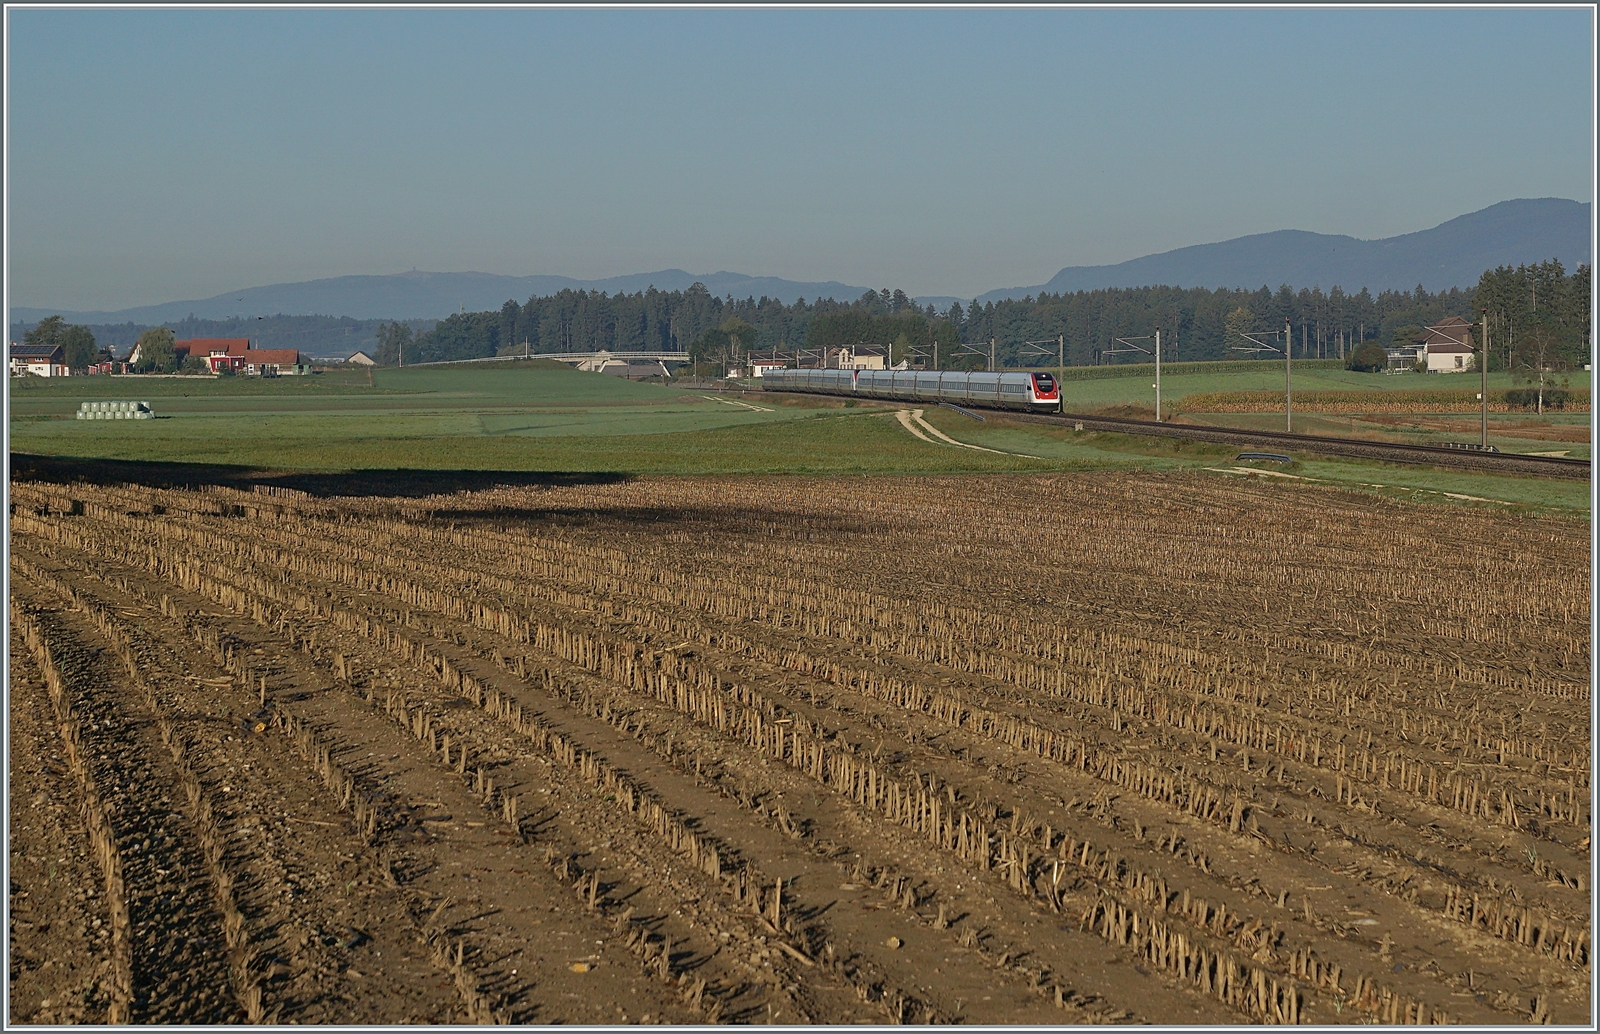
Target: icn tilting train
{"points": [[1035, 391]]}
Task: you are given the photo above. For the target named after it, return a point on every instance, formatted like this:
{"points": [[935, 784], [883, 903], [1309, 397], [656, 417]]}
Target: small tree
{"points": [[393, 341], [50, 331], [194, 364], [901, 348], [78, 349], [1369, 358], [1237, 324], [1538, 362], [741, 336], [1408, 335], [712, 346], [156, 354]]}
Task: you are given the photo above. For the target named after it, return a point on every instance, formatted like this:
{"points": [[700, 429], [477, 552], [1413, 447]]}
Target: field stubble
{"points": [[1087, 748]]}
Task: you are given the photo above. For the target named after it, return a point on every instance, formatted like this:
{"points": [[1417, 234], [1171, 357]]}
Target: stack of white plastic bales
{"points": [[115, 411]]}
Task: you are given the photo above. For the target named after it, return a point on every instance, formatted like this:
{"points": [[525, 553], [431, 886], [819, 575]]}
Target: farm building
{"points": [[37, 360], [362, 359]]}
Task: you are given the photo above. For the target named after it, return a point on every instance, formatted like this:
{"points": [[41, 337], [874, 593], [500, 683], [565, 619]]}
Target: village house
{"points": [[37, 361], [848, 358], [236, 355], [1448, 346]]}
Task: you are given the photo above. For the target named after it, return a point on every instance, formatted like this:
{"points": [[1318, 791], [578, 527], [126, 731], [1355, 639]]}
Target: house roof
{"points": [[35, 351], [1446, 347], [279, 356], [203, 346], [1452, 330]]}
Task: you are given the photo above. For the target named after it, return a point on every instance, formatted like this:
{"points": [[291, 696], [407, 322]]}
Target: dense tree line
{"points": [[313, 335], [1539, 316], [1196, 323]]}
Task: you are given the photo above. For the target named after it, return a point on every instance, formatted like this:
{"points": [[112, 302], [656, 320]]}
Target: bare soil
{"points": [[1001, 750], [1534, 428]]}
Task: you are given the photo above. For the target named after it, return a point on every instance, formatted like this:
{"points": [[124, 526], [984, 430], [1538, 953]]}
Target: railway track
{"points": [[1357, 448], [1360, 448]]}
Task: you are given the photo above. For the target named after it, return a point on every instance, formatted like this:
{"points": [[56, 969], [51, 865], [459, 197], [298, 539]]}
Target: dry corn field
{"points": [[1096, 748]]}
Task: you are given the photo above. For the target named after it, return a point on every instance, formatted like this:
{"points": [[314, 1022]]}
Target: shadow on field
{"points": [[417, 484], [407, 484], [708, 520]]}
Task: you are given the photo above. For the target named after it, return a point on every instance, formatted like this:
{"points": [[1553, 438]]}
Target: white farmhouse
{"points": [[1448, 346]]}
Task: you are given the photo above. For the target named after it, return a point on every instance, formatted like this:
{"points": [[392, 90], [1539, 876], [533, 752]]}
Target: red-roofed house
{"points": [[235, 353]]}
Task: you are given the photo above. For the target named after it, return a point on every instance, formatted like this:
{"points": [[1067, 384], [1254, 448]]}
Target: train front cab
{"points": [[1045, 392]]}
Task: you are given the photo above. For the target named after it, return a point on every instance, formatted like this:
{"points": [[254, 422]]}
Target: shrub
{"points": [[1528, 398], [1369, 358]]}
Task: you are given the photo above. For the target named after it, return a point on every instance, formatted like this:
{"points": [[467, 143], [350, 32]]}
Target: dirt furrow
{"points": [[60, 937], [312, 909], [175, 943], [1082, 749]]}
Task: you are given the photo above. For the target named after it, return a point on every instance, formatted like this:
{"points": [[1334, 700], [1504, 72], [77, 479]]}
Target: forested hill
{"points": [[1452, 254], [425, 295], [1195, 322]]}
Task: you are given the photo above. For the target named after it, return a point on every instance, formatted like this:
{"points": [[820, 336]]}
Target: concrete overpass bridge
{"points": [[590, 361]]}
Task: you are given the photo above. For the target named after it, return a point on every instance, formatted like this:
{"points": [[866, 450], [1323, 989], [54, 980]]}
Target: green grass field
{"points": [[541, 417], [1111, 391]]}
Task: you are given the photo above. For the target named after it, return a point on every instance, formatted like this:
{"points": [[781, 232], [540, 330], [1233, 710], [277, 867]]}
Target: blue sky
{"points": [[164, 154]]}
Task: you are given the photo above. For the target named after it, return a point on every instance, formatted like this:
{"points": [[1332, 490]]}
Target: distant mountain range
{"points": [[1452, 254], [417, 295]]}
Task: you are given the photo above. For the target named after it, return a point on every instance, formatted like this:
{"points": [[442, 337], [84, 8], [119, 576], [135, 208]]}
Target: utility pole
{"points": [[1129, 345], [1258, 346], [1288, 403], [1158, 375], [991, 354], [1061, 370], [1483, 396]]}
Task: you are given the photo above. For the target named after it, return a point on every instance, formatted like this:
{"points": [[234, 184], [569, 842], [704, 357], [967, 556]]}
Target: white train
{"points": [[1036, 391]]}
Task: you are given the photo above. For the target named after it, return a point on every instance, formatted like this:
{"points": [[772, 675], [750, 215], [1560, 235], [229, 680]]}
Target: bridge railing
{"points": [[571, 357]]}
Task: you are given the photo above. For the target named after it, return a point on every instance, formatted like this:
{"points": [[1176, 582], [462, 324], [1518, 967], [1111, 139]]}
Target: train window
{"points": [[1044, 382]]}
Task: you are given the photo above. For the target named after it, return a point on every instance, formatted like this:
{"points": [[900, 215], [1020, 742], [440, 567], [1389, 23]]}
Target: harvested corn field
{"points": [[1061, 749]]}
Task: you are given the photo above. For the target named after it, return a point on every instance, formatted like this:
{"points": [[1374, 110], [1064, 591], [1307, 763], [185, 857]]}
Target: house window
{"points": [[1460, 363]]}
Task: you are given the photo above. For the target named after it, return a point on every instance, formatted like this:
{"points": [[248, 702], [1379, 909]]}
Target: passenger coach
{"points": [[990, 390]]}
